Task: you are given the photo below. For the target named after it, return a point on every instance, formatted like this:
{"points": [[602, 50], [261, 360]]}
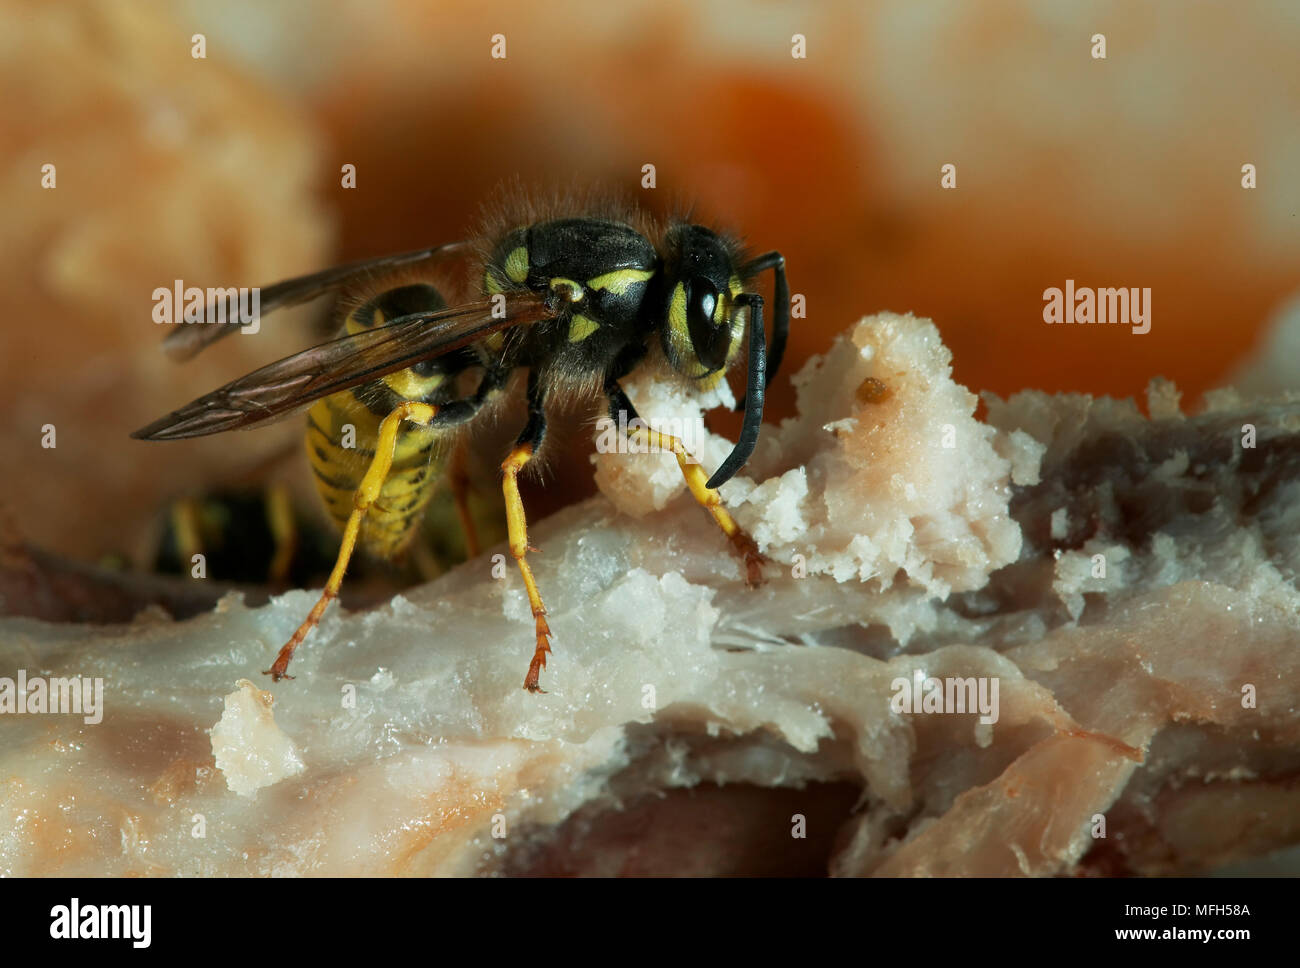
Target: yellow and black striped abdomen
{"points": [[417, 467], [342, 431]]}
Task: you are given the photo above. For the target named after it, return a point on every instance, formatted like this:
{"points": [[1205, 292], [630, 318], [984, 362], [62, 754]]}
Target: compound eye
{"points": [[710, 340]]}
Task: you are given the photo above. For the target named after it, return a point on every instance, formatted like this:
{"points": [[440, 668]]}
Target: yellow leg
{"points": [[284, 532], [460, 494], [367, 493], [517, 526], [185, 525], [741, 543]]}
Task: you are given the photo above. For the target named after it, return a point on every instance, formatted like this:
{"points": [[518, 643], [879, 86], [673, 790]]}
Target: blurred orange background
{"points": [[1123, 171]]}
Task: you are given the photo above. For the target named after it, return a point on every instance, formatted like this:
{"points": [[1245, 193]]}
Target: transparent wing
{"points": [[295, 381], [190, 339]]}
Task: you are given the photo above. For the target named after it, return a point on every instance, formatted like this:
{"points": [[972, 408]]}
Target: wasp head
{"points": [[702, 331]]}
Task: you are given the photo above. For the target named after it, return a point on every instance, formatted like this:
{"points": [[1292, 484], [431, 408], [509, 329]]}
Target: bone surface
{"points": [[1061, 638]]}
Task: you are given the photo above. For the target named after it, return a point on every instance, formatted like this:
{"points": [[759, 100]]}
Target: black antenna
{"points": [[781, 316], [756, 383]]}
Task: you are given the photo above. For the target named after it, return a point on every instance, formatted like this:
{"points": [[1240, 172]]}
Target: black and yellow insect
{"points": [[244, 535], [263, 535], [577, 298]]}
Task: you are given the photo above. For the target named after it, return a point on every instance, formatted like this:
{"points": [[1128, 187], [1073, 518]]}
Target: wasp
{"points": [[576, 297], [263, 536], [245, 535]]}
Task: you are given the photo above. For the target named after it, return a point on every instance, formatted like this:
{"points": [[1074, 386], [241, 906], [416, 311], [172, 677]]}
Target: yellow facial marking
{"points": [[620, 281], [495, 342], [738, 319], [678, 332], [517, 265], [721, 307], [581, 327], [493, 286]]}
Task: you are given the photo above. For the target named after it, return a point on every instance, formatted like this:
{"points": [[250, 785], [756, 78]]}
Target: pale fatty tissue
{"points": [[1128, 584], [248, 747]]}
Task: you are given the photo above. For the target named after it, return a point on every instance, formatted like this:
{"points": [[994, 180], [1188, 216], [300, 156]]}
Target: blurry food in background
{"points": [[166, 168]]}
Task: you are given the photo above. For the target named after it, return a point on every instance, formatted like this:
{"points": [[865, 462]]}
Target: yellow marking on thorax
{"points": [[354, 325], [517, 265], [409, 385], [581, 327], [515, 269], [572, 291], [620, 281]]}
